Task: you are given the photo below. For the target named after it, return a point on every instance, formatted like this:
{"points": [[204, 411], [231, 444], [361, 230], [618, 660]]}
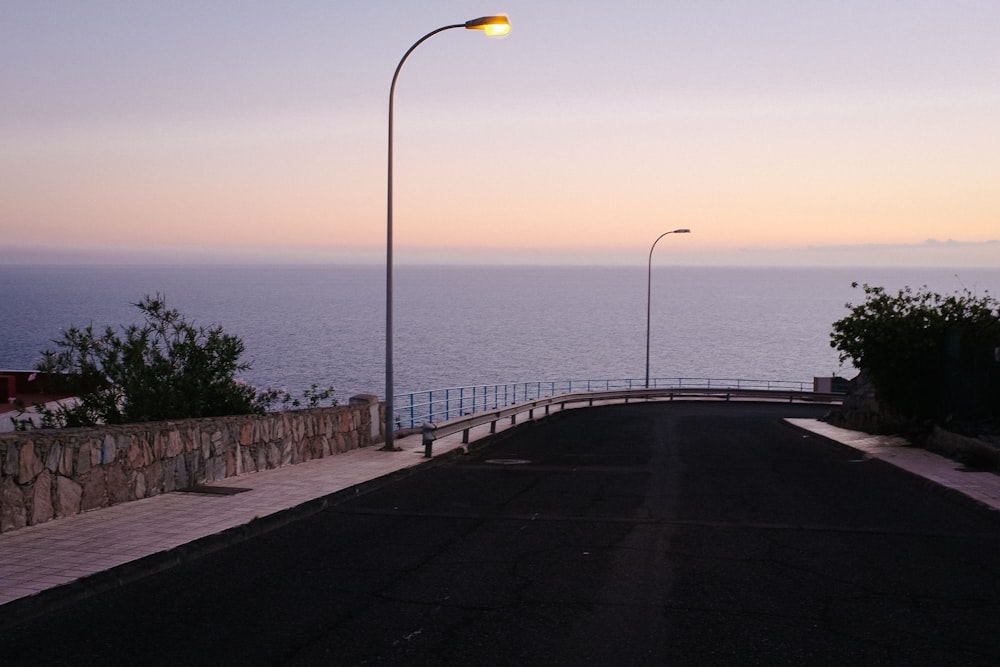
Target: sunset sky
{"points": [[784, 132]]}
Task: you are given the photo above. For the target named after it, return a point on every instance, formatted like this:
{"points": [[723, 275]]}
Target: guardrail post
{"points": [[428, 438]]}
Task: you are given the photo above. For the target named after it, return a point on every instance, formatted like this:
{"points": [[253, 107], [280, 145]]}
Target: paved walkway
{"points": [[983, 487], [65, 559]]}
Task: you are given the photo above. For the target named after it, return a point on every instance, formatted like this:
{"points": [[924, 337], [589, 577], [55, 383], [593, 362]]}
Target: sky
{"points": [[781, 132]]}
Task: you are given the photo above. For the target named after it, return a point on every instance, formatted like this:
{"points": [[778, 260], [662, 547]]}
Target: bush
{"points": [[166, 368], [928, 356]]}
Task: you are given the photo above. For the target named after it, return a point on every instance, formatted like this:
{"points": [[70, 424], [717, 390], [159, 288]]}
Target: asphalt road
{"points": [[650, 534]]}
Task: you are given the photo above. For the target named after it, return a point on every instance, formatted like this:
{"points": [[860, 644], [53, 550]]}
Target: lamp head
{"points": [[493, 26], [681, 231]]}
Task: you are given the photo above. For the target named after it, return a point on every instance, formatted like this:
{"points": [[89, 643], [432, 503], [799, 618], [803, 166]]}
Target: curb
{"points": [[935, 486]]}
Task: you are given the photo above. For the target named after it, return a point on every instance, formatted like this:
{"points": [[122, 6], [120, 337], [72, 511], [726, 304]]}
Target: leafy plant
{"points": [[929, 356], [313, 397], [166, 368]]}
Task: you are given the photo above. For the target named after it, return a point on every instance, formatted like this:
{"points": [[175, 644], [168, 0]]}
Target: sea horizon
{"points": [[462, 325]]}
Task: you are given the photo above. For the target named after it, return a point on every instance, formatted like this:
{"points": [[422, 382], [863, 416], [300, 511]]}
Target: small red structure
{"points": [[27, 388]]}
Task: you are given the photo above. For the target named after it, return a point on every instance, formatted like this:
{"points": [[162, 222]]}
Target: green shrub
{"points": [[928, 356], [166, 368]]}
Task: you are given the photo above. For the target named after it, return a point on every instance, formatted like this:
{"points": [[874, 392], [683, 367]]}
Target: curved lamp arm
{"points": [[492, 26], [649, 289]]}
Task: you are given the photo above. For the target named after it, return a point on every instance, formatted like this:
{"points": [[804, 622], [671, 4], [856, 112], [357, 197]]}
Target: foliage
{"points": [[311, 398], [167, 368], [929, 356]]}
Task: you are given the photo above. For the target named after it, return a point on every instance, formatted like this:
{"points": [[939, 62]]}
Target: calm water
{"points": [[473, 325]]}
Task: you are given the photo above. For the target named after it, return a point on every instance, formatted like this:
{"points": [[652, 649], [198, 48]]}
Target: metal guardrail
{"points": [[465, 423], [435, 405]]}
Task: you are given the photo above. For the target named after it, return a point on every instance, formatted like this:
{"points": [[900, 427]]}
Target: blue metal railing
{"points": [[437, 405]]}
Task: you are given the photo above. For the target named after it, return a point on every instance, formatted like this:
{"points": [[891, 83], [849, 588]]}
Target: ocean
{"points": [[467, 325]]}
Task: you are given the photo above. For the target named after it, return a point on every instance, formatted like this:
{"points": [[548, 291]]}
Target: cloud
{"points": [[929, 253], [929, 243]]}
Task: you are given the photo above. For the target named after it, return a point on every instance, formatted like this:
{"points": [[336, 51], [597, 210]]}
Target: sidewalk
{"points": [[67, 559], [983, 487], [57, 562]]}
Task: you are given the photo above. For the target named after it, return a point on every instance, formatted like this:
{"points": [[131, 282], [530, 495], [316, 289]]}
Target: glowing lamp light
{"points": [[493, 26]]}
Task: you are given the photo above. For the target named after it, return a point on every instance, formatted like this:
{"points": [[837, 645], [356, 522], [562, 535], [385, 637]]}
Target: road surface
{"points": [[643, 534]]}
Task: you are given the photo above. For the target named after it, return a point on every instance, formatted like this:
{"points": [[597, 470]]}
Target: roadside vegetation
{"points": [[165, 368], [933, 361]]}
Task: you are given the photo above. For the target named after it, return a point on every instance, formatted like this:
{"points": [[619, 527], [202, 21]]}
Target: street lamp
{"points": [[649, 289], [493, 26]]}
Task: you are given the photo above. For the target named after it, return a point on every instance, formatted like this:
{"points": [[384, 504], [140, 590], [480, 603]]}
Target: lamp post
{"points": [[649, 289], [493, 26]]}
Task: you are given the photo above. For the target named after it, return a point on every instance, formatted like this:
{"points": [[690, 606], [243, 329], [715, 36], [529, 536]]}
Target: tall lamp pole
{"points": [[493, 26], [649, 290]]}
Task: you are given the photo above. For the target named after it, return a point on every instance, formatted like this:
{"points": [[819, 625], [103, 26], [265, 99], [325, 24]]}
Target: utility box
{"points": [[830, 385]]}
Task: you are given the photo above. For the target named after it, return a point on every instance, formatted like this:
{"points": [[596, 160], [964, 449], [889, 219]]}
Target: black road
{"points": [[652, 534]]}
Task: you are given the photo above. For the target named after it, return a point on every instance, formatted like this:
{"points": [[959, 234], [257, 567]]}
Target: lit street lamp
{"points": [[649, 289], [493, 26]]}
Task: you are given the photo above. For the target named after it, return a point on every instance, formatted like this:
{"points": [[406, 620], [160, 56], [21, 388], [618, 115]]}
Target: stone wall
{"points": [[862, 411], [45, 474]]}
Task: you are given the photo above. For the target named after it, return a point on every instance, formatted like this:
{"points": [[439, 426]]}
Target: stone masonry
{"points": [[51, 473]]}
